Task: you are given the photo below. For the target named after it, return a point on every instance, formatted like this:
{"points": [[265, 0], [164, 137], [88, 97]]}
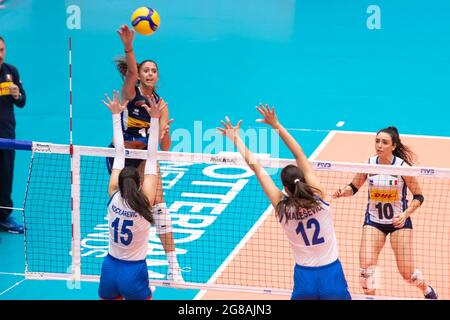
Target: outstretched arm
{"points": [[150, 172], [131, 77], [270, 118], [165, 141], [119, 159], [351, 188], [270, 189]]}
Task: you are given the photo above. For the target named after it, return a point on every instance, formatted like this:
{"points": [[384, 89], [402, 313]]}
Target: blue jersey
{"points": [[135, 118]]}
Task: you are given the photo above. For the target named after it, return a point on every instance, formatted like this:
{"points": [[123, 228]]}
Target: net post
{"points": [[76, 228], [30, 169]]}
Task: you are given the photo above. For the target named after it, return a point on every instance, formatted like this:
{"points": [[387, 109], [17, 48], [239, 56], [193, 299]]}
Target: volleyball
{"points": [[145, 20]]}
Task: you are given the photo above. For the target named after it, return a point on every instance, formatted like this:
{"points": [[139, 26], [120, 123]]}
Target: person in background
{"points": [[139, 89], [11, 94], [388, 213], [124, 272], [302, 213]]}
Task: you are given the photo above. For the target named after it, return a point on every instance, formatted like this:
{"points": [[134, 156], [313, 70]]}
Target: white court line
{"points": [[12, 287], [236, 250], [11, 208], [401, 134], [256, 225], [298, 129], [322, 145], [12, 274], [363, 132]]}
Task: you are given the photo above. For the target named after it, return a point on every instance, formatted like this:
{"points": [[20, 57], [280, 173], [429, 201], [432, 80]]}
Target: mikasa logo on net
{"points": [[41, 147]]}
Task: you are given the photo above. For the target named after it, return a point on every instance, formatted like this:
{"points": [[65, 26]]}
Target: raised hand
{"points": [[338, 194], [166, 129], [127, 36], [155, 110], [114, 105], [269, 115], [228, 129], [151, 99], [162, 103]]}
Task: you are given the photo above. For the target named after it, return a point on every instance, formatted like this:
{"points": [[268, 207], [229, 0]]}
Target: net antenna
{"points": [[75, 185]]}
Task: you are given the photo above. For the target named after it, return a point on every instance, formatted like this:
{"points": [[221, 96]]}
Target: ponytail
{"points": [[129, 183], [401, 150], [121, 65], [302, 194]]}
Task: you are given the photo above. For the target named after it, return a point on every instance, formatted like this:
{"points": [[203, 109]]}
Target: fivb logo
{"points": [[427, 172], [323, 165]]}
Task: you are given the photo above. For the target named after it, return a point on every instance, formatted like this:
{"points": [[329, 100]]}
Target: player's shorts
{"points": [[386, 228], [124, 279], [133, 137], [320, 283]]}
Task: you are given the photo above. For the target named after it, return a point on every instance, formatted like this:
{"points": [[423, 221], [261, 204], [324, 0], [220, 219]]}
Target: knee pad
{"points": [[369, 278], [161, 216], [416, 278]]}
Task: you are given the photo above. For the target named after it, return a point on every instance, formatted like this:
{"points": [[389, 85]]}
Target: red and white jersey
{"points": [[387, 194], [311, 235], [128, 231]]}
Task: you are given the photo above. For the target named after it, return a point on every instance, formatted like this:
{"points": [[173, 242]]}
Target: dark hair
{"points": [[302, 194], [121, 65], [401, 150], [129, 183], [1, 38]]}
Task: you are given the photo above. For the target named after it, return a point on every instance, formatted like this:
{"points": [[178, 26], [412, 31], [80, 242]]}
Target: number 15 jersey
{"points": [[128, 231]]}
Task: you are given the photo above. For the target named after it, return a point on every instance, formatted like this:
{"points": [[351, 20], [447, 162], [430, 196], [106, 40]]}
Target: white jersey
{"points": [[387, 194], [128, 231], [311, 235]]}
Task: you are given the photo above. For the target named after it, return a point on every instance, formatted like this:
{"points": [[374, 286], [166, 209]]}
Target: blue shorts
{"points": [[386, 228], [128, 162], [124, 279], [320, 283]]}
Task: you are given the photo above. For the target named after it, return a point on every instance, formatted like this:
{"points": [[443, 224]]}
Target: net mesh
{"points": [[48, 231], [224, 229]]}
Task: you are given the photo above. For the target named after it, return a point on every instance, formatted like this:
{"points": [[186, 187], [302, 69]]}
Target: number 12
{"points": [[309, 225]]}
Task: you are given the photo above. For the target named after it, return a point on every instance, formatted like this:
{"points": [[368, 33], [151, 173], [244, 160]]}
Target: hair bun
{"points": [[393, 129]]}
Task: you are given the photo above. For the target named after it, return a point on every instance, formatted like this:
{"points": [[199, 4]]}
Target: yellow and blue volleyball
{"points": [[145, 20]]}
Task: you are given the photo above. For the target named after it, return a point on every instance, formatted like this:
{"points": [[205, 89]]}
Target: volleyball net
{"points": [[224, 228]]}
